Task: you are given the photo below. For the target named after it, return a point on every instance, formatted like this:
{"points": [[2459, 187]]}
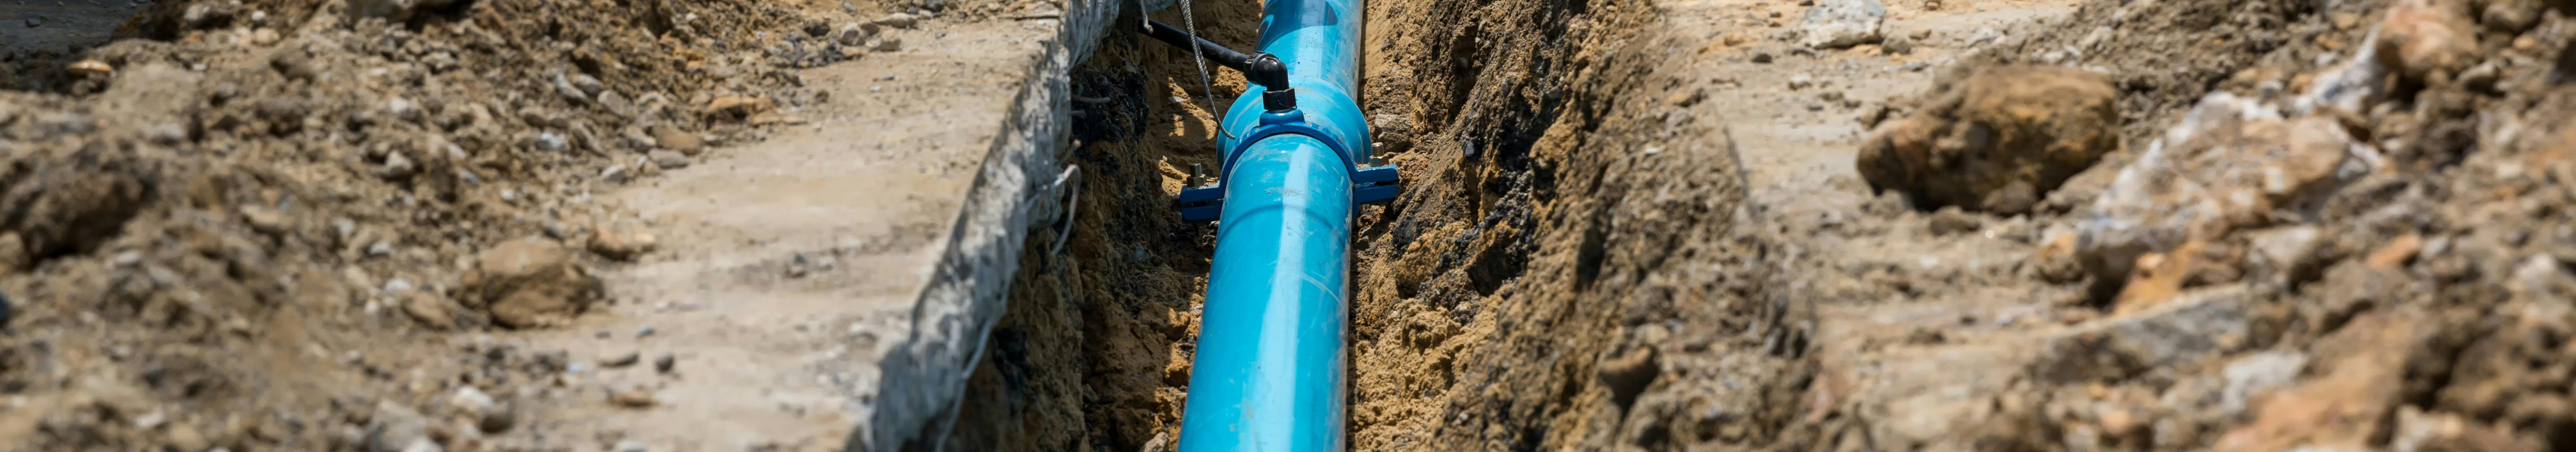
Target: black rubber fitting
{"points": [[1272, 74]]}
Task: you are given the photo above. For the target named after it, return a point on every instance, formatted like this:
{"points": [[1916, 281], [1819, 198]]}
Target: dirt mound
{"points": [[241, 225]]}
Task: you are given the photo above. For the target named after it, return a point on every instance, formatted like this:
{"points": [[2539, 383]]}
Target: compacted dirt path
{"points": [[787, 264]]}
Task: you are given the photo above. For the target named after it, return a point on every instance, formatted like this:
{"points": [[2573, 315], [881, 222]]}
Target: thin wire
{"points": [[1144, 22], [1073, 200], [1206, 90]]}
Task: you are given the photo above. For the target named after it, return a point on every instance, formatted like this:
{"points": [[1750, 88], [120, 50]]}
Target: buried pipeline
{"points": [[1271, 371]]}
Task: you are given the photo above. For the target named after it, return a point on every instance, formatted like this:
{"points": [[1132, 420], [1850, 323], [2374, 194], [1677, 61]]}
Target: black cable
{"points": [[1261, 68], [1217, 53]]}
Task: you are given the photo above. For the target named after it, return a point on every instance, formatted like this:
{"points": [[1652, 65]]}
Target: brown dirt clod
{"points": [[531, 282]]}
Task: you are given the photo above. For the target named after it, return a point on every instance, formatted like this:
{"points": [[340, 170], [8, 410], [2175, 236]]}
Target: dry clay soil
{"points": [[560, 225]]}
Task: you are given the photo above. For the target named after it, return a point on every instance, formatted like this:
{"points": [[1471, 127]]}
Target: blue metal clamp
{"points": [[1369, 185]]}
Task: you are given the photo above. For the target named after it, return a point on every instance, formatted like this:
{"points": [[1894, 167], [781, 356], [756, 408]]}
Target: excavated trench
{"points": [[1525, 291]]}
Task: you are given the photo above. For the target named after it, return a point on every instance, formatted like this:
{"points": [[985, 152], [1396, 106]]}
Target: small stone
{"points": [[265, 220], [669, 159], [1834, 24], [2481, 77], [552, 142], [897, 20], [499, 418], [1762, 57], [2511, 16], [1898, 46], [589, 86], [851, 34], [631, 446], [531, 282], [1801, 81], [671, 137], [1984, 35], [397, 166], [470, 400], [395, 428], [622, 360], [886, 44], [1951, 221], [33, 22], [634, 398], [2277, 251], [616, 103], [662, 364], [622, 241], [643, 331], [402, 109], [563, 86], [91, 68], [429, 309]]}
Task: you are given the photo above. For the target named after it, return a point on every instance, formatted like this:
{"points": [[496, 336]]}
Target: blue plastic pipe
{"points": [[1271, 369]]}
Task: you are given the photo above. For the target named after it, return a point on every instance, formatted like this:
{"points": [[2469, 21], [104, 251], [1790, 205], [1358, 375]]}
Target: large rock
{"points": [[531, 282], [2230, 164], [1834, 24], [2424, 39], [1996, 140]]}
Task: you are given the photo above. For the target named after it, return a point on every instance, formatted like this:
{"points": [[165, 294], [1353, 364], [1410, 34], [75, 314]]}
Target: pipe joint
{"points": [[1266, 70]]}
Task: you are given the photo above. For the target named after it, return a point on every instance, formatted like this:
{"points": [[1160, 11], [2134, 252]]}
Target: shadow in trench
{"points": [[38, 38]]}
